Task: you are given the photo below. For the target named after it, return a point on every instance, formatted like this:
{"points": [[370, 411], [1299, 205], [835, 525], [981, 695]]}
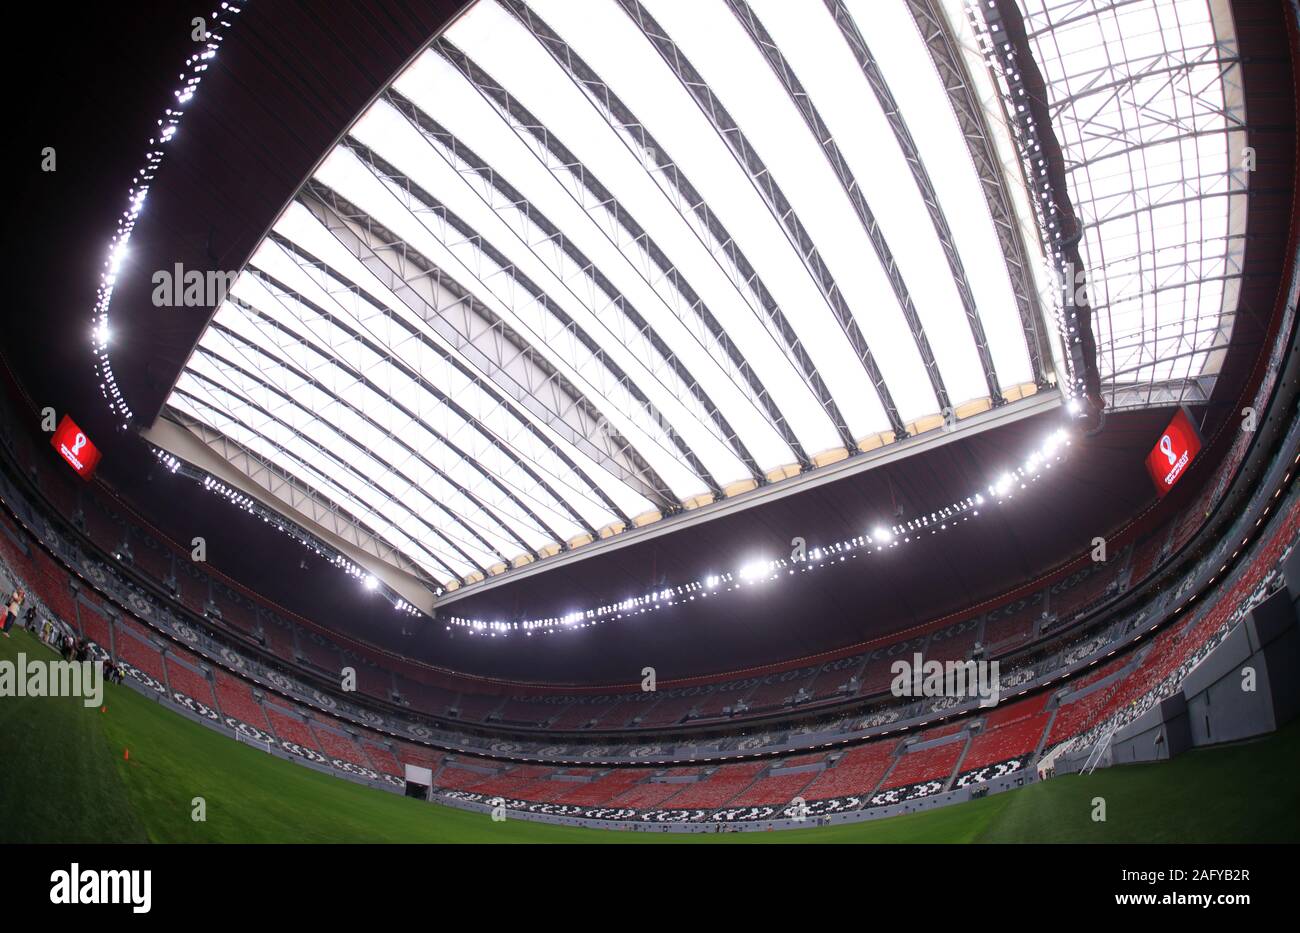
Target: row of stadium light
{"points": [[371, 583], [141, 182], [247, 504], [234, 496], [1000, 57], [762, 570]]}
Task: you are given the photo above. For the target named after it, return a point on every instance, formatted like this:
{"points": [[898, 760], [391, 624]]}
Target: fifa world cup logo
{"points": [[73, 454], [1167, 448]]}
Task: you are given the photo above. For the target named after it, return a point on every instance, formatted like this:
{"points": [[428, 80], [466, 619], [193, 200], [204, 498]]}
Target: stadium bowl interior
{"points": [[645, 417]]}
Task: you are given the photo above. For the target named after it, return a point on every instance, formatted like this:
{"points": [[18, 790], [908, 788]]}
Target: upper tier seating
{"points": [[61, 490], [724, 699], [370, 679], [577, 714], [1013, 625], [477, 707], [1082, 590], [235, 610], [524, 710], [102, 526], [193, 586], [424, 697], [278, 638], [320, 653], [1192, 518], [953, 643], [834, 675], [668, 711], [1146, 554], [150, 558]]}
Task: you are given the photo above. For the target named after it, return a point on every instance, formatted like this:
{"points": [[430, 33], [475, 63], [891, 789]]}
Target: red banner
{"points": [[73, 446], [1174, 452]]}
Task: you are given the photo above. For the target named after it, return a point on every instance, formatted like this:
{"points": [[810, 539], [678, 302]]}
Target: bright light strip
{"points": [[141, 182], [761, 570], [755, 570], [252, 507]]}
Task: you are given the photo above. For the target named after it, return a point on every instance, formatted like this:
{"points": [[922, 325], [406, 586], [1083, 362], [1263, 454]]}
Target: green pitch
{"points": [[65, 779]]}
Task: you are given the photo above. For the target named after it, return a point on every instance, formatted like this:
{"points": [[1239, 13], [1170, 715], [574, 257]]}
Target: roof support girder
{"points": [[772, 195], [494, 350]]}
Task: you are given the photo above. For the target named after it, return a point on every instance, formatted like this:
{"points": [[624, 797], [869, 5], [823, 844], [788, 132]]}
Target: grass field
{"points": [[65, 779]]}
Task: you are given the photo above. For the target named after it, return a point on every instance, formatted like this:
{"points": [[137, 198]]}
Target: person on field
{"points": [[11, 611]]}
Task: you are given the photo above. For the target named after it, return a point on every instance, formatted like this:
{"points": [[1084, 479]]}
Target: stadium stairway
{"points": [[894, 758], [1047, 730], [956, 768]]}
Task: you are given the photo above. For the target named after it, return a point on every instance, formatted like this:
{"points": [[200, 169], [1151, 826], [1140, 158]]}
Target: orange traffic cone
{"points": [[126, 754]]}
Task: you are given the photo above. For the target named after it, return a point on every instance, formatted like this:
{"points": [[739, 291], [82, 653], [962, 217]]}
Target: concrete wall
{"points": [[1250, 685], [1158, 734], [1247, 686]]}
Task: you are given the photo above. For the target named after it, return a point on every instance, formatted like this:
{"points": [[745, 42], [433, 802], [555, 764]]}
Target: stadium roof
{"points": [[519, 306], [583, 266]]}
